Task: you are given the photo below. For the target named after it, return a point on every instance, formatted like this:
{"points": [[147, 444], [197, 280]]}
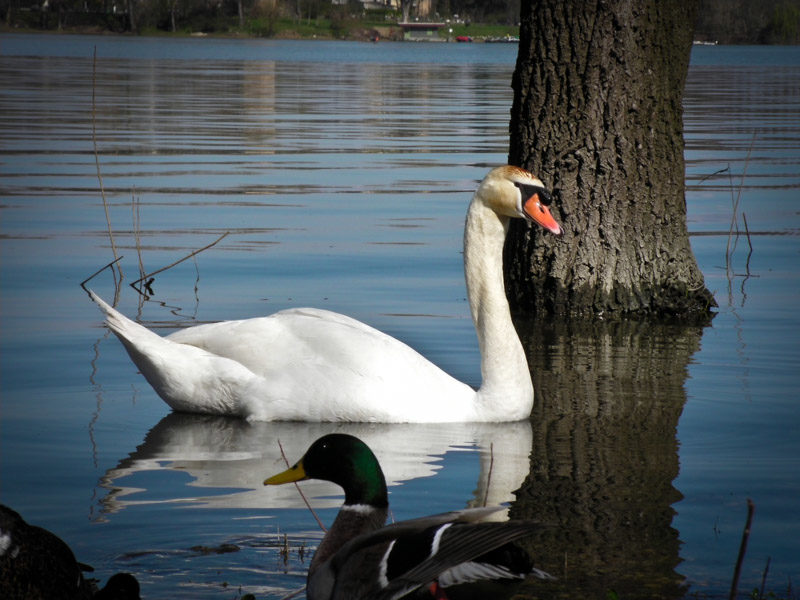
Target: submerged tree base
{"points": [[693, 303]]}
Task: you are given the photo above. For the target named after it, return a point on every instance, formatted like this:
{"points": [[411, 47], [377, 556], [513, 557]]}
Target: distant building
{"points": [[374, 4], [417, 31], [420, 8]]}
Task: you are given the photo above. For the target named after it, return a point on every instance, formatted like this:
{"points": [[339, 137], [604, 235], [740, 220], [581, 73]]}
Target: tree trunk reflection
{"points": [[605, 454]]}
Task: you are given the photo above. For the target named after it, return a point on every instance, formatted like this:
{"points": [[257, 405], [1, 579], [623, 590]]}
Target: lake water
{"points": [[341, 172]]}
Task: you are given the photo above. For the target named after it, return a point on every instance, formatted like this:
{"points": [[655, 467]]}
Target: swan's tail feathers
{"points": [[126, 330], [187, 378]]}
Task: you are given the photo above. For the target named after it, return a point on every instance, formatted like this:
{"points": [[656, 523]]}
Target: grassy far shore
{"points": [[358, 29], [382, 27]]}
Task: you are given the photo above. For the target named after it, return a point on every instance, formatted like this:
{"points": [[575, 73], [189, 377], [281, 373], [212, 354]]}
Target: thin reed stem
{"points": [[99, 174], [489, 476], [734, 218], [137, 236], [764, 578], [742, 549], [294, 593], [302, 495]]}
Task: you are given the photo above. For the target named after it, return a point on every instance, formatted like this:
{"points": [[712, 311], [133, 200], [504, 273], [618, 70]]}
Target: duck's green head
{"points": [[344, 460]]}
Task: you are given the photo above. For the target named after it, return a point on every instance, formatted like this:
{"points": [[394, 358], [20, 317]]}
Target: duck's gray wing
{"points": [[456, 545], [353, 571]]}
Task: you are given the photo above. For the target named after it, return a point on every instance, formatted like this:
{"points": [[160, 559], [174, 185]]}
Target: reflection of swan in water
{"points": [[234, 455]]}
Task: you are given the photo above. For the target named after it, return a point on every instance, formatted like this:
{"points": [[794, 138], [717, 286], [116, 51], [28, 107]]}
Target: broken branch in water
{"points": [[702, 179], [93, 275], [302, 495], [149, 276]]}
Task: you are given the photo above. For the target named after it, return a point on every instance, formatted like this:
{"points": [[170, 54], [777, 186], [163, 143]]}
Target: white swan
{"points": [[308, 364]]}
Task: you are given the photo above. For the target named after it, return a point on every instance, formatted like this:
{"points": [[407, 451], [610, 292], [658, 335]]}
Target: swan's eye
{"points": [[527, 190]]}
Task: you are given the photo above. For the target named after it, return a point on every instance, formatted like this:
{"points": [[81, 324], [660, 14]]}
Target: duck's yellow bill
{"points": [[295, 473]]}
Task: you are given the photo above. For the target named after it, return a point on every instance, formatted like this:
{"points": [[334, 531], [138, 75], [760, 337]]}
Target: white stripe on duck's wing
{"points": [[414, 526], [459, 544]]}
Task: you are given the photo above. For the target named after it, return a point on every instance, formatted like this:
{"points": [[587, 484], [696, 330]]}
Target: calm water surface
{"points": [[342, 172]]}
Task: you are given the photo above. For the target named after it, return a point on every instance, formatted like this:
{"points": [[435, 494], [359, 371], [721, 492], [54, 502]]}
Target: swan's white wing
{"points": [[321, 365], [306, 335]]}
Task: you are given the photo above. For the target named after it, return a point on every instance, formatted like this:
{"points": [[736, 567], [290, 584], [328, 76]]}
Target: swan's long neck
{"points": [[506, 386]]}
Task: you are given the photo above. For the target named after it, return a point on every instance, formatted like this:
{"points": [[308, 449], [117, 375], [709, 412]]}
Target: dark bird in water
{"points": [[36, 564]]}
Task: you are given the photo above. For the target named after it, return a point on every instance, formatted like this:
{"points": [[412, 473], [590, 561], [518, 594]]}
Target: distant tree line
{"points": [[749, 21], [222, 15], [724, 21]]}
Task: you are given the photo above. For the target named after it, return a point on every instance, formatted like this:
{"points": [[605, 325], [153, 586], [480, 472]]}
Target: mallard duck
{"points": [[449, 555], [36, 563], [308, 364]]}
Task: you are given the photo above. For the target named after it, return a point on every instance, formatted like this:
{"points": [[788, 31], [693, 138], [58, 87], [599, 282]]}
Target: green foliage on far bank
{"points": [[269, 22], [749, 22], [725, 21]]}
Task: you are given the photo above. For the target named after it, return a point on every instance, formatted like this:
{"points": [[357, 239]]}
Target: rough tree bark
{"points": [[597, 115]]}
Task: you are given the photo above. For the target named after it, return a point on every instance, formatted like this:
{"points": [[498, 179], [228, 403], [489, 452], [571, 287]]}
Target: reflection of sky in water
{"points": [[738, 429], [342, 172]]}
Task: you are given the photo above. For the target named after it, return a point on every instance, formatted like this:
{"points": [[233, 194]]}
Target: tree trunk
{"points": [[131, 16], [597, 115], [405, 7]]}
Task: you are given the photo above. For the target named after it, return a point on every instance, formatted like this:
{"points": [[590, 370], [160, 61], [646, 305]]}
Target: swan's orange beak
{"points": [[540, 213]]}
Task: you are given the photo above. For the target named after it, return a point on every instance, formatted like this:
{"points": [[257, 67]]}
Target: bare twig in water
{"points": [[93, 275], [702, 179], [294, 593], [177, 262], [99, 174], [284, 551], [742, 548], [734, 218], [137, 230], [302, 495], [489, 476], [749, 242], [764, 579]]}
